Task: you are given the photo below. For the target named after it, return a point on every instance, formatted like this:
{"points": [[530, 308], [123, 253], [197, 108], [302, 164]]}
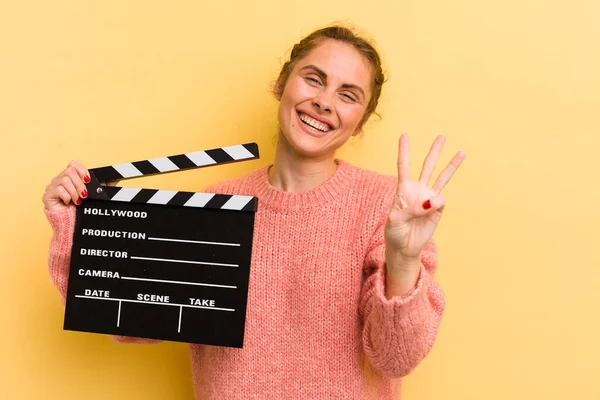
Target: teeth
{"points": [[314, 123]]}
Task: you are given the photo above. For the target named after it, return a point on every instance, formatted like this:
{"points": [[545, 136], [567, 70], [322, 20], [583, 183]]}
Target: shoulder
{"points": [[373, 187], [372, 198]]}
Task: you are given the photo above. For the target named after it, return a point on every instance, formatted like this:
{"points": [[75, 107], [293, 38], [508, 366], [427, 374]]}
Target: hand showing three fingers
{"points": [[417, 208]]}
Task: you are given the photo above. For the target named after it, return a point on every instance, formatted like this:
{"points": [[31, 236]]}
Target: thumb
{"points": [[431, 205]]}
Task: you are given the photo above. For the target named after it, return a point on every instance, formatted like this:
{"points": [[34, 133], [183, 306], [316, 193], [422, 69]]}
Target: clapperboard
{"points": [[162, 264]]}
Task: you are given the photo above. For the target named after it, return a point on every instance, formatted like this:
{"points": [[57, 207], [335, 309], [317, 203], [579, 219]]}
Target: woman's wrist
{"points": [[402, 274]]}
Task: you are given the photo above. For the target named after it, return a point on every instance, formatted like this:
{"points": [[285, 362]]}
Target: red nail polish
{"points": [[84, 193], [86, 179], [78, 201], [427, 204]]}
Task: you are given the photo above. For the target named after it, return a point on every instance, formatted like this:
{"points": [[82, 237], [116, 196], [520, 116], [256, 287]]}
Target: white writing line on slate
{"points": [[153, 302], [180, 311], [119, 315], [183, 261], [193, 241], [178, 282]]}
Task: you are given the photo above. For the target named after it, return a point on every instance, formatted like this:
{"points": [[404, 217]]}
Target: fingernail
{"points": [[78, 201], [86, 179], [84, 193], [427, 204]]}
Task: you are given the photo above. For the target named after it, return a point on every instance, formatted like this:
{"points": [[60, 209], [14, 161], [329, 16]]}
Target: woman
{"points": [[342, 297]]}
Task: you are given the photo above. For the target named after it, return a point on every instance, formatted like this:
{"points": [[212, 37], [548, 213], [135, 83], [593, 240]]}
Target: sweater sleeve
{"points": [[399, 333], [59, 258]]}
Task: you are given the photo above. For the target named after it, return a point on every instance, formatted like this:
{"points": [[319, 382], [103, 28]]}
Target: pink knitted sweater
{"points": [[318, 323]]}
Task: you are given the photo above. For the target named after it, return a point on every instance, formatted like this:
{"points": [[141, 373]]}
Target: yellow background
{"points": [[514, 83]]}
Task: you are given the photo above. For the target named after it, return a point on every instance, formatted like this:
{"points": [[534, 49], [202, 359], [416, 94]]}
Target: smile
{"points": [[313, 123]]}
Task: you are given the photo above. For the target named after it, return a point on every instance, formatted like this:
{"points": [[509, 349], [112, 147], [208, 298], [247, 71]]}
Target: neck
{"points": [[293, 172]]}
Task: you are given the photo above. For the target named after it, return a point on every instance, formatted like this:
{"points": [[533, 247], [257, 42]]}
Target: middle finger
{"points": [[80, 187], [431, 159]]}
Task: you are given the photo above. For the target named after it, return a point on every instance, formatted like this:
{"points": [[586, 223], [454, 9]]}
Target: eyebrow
{"points": [[323, 76]]}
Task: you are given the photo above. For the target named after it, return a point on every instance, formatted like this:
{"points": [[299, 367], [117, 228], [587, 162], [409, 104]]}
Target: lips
{"points": [[315, 123]]}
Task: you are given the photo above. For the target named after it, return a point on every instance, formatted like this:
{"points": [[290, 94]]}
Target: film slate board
{"points": [[162, 264]]}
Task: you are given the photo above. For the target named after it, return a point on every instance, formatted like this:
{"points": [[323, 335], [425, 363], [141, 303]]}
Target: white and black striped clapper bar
{"points": [[162, 264]]}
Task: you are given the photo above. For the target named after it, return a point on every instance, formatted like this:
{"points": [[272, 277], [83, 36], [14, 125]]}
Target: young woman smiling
{"points": [[342, 297]]}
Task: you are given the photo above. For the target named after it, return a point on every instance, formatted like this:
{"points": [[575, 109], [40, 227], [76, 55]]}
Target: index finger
{"points": [[403, 159], [82, 171]]}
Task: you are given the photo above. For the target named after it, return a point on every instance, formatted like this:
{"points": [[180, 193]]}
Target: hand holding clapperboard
{"points": [[162, 264]]}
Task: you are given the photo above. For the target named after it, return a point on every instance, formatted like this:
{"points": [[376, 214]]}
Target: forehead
{"points": [[342, 63]]}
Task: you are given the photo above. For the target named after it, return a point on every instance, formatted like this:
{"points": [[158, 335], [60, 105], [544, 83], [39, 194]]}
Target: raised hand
{"points": [[417, 208]]}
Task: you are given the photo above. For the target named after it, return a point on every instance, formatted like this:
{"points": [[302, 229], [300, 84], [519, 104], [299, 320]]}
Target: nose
{"points": [[322, 102]]}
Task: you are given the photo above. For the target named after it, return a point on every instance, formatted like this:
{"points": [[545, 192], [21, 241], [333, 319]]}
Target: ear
{"points": [[278, 88], [362, 123]]}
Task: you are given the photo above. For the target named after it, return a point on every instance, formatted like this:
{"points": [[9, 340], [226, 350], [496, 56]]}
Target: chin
{"points": [[308, 147]]}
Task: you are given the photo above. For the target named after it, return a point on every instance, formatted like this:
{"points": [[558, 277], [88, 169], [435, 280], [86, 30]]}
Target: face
{"points": [[324, 100]]}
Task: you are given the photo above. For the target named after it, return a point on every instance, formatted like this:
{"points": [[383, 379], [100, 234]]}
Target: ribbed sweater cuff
{"points": [[400, 306], [61, 220], [59, 255]]}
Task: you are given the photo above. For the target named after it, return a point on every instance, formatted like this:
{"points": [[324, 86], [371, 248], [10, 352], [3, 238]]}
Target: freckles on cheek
{"points": [[355, 116]]}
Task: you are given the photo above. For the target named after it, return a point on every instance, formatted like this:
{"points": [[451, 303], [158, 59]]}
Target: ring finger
{"points": [[447, 173]]}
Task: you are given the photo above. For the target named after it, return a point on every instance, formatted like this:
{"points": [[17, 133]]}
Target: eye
{"points": [[313, 81], [349, 97]]}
